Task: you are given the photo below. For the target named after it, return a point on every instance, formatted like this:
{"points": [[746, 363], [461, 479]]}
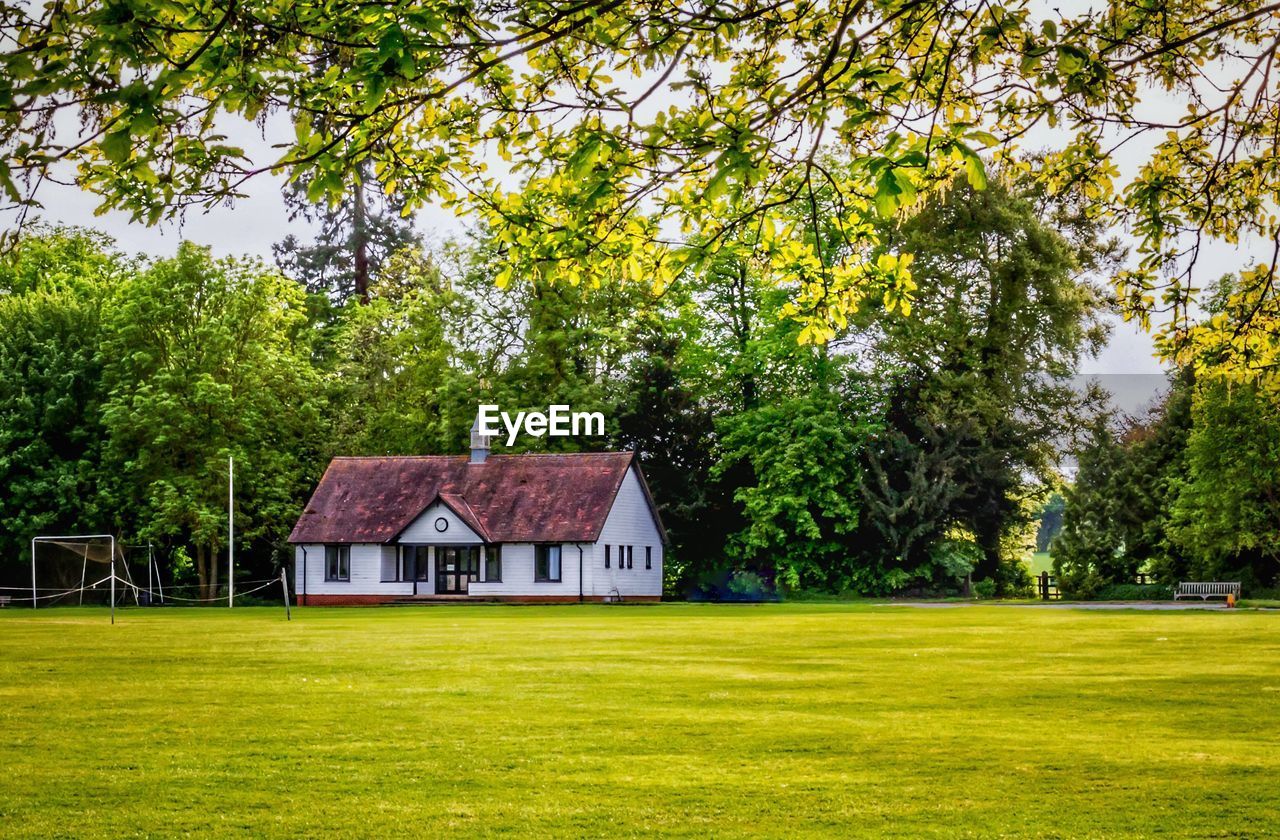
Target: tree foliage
{"points": [[51, 389], [1118, 518], [981, 398], [1226, 514], [206, 360], [614, 115]]}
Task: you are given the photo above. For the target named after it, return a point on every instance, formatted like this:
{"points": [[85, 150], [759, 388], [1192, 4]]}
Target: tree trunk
{"points": [[742, 329], [202, 571], [360, 246], [213, 573]]}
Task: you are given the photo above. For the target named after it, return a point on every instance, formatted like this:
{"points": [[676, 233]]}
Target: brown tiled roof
{"points": [[508, 498]]}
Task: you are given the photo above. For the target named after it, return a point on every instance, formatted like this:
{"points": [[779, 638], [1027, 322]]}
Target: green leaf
{"points": [[888, 194], [116, 145], [974, 169]]}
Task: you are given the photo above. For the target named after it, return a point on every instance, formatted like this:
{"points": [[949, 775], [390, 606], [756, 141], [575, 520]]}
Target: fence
{"points": [[1047, 585]]}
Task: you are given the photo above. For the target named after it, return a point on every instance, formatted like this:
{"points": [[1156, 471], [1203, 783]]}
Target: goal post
{"points": [[95, 548]]}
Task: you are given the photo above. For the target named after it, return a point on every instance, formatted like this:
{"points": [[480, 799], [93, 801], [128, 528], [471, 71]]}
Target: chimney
{"points": [[479, 444]]}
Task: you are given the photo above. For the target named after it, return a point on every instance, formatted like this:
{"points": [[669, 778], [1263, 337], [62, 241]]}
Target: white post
{"points": [[231, 531], [84, 570], [113, 580], [156, 566], [33, 573]]}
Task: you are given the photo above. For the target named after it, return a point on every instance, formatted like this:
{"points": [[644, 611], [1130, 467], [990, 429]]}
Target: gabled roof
{"points": [[459, 505], [508, 498]]}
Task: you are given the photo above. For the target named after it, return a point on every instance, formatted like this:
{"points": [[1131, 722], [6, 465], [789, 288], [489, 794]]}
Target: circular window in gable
{"points": [[442, 524]]}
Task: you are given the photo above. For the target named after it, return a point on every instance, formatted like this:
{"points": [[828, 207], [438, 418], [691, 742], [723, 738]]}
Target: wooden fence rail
{"points": [[1047, 585]]}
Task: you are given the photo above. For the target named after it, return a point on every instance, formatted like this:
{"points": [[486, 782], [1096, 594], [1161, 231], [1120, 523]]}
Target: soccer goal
{"points": [[96, 569], [66, 569]]}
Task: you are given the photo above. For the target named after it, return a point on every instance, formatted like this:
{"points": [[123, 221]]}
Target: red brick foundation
{"points": [[346, 600], [373, 600]]}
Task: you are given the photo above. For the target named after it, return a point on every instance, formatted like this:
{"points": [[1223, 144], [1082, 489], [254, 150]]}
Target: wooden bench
{"points": [[1207, 589], [4, 601]]}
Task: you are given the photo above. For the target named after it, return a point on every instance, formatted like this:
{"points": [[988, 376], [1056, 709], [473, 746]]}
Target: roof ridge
{"points": [[561, 454], [494, 455], [388, 457]]}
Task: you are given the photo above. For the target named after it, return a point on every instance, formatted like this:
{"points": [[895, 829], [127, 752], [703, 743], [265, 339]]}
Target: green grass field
{"points": [[777, 720]]}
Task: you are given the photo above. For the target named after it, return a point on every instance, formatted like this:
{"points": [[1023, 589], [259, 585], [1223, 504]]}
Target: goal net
{"points": [[79, 569]]}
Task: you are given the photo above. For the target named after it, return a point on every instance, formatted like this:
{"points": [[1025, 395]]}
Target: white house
{"points": [[556, 528]]}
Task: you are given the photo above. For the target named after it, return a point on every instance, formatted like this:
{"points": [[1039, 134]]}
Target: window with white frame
{"points": [[337, 562], [546, 564], [493, 563]]}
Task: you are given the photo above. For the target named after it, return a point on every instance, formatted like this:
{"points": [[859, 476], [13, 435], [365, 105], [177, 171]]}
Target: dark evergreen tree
{"points": [[673, 433], [1090, 551], [1117, 520], [353, 240]]}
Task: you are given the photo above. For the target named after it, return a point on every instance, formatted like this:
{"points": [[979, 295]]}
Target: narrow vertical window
{"points": [[606, 555], [648, 557], [631, 556], [493, 563]]}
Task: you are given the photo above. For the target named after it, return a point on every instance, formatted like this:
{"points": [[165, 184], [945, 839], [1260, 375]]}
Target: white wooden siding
{"points": [[630, 522], [423, 529], [366, 572]]}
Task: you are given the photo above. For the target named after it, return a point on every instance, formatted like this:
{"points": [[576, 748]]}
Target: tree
{"points": [[755, 94], [664, 420], [1050, 522], [397, 380], [791, 421], [206, 360], [909, 487], [354, 240], [1226, 512], [1090, 551], [55, 257], [51, 394], [1118, 518], [803, 458], [981, 391]]}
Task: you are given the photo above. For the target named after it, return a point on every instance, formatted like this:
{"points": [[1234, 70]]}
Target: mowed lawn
{"points": [[776, 720]]}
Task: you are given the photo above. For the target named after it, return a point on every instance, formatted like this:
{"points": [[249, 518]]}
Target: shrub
{"points": [[954, 557], [985, 588], [737, 585], [1013, 579], [747, 585], [1079, 587], [1135, 592]]}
